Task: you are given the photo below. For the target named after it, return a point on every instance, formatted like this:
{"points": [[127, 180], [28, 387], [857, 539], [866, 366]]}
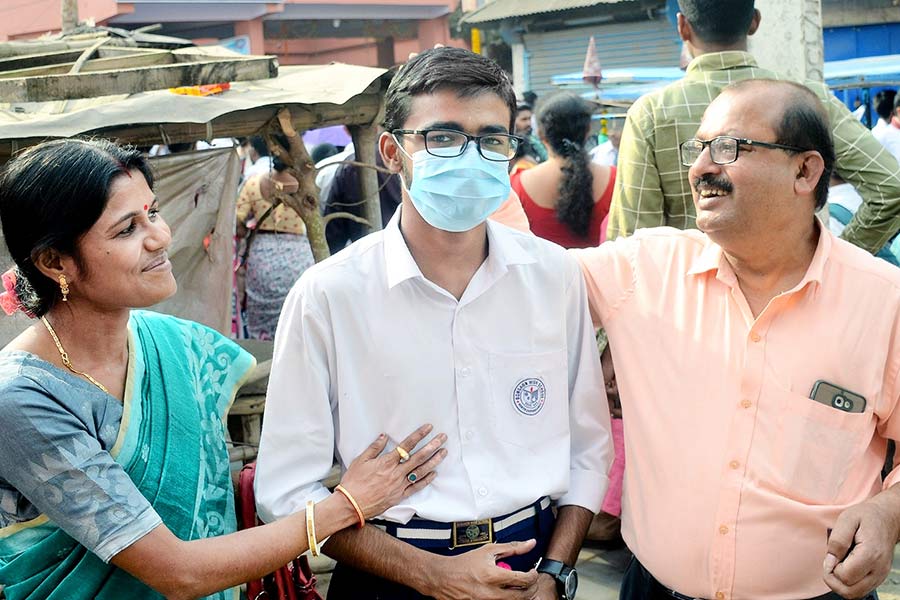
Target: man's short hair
{"points": [[718, 21], [885, 103], [464, 72], [804, 124]]}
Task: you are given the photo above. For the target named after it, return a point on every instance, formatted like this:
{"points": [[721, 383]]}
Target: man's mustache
{"points": [[709, 182]]}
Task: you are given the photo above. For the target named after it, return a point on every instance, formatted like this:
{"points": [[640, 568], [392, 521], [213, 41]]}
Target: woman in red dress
{"points": [[566, 197]]}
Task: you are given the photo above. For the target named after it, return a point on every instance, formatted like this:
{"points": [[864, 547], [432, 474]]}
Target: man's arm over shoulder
{"points": [[297, 445], [861, 160], [591, 446], [637, 198], [608, 272]]}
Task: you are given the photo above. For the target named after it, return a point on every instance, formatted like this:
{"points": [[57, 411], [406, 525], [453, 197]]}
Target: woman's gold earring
{"points": [[64, 288]]}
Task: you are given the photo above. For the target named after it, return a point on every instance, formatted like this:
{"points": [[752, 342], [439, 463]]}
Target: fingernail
{"points": [[830, 563]]}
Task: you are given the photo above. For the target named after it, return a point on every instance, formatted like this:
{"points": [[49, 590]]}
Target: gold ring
{"points": [[404, 455]]}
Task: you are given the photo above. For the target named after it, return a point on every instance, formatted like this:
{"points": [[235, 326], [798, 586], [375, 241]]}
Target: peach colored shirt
{"points": [[733, 474]]}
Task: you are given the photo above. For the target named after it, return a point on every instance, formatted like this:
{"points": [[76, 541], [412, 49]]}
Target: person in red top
{"points": [[567, 197]]}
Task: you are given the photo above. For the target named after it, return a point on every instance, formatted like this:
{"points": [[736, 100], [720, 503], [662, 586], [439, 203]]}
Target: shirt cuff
{"points": [[125, 537], [586, 489]]}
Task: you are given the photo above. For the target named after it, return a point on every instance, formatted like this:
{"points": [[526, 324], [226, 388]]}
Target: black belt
{"points": [[680, 596]]}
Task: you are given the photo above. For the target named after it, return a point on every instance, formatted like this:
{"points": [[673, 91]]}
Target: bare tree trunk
{"points": [[69, 15], [364, 138], [305, 201]]}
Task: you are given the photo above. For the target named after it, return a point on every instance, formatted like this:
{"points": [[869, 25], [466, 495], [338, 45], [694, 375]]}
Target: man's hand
{"points": [[874, 526], [475, 574], [546, 588]]}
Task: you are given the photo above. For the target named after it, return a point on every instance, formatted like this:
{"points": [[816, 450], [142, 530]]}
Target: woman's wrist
{"points": [[333, 514]]}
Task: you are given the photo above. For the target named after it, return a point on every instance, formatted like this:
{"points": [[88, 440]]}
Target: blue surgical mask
{"points": [[459, 193]]}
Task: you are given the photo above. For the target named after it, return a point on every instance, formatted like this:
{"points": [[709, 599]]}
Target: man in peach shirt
{"points": [[773, 349]]}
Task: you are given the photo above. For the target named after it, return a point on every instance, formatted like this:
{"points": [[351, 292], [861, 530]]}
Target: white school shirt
{"points": [[510, 373]]}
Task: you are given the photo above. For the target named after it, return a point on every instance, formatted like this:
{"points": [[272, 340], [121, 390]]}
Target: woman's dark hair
{"points": [[259, 144], [564, 121], [50, 196]]}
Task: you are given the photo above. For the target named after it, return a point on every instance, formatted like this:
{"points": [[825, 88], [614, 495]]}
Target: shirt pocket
{"points": [[529, 401], [816, 446]]}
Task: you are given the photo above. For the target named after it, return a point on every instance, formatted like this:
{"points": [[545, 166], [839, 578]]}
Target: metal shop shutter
{"points": [[638, 44]]}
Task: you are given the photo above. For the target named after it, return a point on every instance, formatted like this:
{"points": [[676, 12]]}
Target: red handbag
{"points": [[294, 581]]}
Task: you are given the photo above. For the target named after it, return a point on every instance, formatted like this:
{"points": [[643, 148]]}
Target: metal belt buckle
{"points": [[472, 533]]}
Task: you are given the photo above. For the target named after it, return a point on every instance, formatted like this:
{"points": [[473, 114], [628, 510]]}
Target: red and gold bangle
{"points": [[359, 512], [311, 528]]}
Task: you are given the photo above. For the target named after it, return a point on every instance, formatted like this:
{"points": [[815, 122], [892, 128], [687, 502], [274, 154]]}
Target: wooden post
{"points": [[69, 11], [789, 39], [364, 139]]}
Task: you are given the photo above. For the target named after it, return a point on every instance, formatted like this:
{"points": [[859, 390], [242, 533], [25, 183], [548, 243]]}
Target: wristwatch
{"points": [[566, 577]]}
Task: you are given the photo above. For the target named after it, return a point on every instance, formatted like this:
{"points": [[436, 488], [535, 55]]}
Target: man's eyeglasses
{"points": [[724, 149], [448, 143]]}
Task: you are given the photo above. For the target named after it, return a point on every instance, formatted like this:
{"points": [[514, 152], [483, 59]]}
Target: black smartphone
{"points": [[837, 397]]}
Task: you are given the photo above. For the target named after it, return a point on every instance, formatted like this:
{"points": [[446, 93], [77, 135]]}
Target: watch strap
{"points": [[551, 567]]}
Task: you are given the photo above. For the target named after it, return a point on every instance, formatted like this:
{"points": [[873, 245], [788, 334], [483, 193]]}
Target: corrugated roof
{"points": [[505, 9]]}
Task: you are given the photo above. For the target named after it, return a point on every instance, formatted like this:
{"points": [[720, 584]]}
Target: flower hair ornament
{"points": [[9, 300]]}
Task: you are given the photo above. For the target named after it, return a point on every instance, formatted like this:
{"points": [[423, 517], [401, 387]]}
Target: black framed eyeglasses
{"points": [[724, 149], [449, 143]]}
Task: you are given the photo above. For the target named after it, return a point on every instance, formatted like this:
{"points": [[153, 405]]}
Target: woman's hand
{"points": [[378, 482]]}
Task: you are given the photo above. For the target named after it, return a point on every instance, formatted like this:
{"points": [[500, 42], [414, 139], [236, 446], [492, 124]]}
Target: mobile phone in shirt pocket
{"points": [[529, 397], [837, 397]]}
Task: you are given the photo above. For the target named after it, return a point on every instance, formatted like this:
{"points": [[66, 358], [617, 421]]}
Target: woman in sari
{"points": [[114, 475]]}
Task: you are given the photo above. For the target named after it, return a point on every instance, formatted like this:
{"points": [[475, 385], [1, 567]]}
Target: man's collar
{"points": [[719, 61], [712, 258], [503, 250]]}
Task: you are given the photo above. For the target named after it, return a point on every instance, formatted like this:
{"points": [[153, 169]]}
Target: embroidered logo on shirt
{"points": [[529, 396]]}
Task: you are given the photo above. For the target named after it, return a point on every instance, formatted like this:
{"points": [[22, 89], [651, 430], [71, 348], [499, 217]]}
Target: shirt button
{"points": [[723, 529], [746, 404], [734, 464], [720, 595], [470, 434], [755, 337], [482, 491], [465, 372]]}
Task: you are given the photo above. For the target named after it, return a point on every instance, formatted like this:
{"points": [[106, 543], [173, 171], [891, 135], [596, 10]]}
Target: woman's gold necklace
{"points": [[65, 357]]}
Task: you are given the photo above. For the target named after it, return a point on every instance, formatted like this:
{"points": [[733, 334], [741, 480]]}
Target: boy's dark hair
{"points": [[885, 103], [718, 21], [466, 73]]}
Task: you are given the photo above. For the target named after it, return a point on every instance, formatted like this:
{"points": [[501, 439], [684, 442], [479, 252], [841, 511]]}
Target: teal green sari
{"points": [[182, 380]]}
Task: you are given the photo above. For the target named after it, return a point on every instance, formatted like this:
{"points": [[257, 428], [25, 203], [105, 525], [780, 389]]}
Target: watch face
{"points": [[571, 584]]}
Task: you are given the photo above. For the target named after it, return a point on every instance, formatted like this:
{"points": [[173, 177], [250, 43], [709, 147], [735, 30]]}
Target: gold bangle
{"points": [[311, 528], [359, 512]]}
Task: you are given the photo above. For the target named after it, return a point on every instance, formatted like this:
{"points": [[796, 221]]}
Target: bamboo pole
{"points": [[69, 10]]}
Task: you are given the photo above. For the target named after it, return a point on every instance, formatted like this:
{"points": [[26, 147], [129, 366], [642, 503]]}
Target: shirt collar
{"points": [[719, 61], [399, 263], [712, 258], [503, 250]]}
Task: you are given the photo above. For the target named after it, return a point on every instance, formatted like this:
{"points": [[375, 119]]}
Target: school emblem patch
{"points": [[529, 396]]}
